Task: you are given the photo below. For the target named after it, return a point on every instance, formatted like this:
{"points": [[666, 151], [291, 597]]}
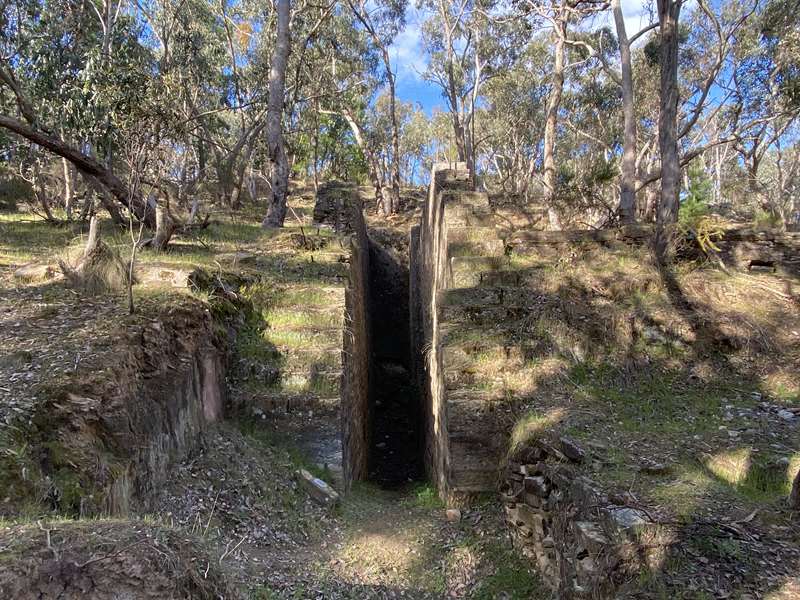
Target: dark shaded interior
{"points": [[395, 456]]}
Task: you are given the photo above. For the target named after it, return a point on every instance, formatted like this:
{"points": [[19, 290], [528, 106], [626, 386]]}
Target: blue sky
{"points": [[410, 61]]}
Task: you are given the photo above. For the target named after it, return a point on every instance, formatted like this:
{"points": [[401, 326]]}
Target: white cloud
{"points": [[408, 57], [636, 13]]}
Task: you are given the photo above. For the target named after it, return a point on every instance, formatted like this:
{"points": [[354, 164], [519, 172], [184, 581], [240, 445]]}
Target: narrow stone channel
{"points": [[395, 456]]}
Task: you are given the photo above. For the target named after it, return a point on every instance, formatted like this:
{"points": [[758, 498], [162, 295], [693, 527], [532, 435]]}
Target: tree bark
{"points": [[276, 213], [69, 187], [668, 15], [627, 197], [373, 167], [94, 237], [85, 164], [794, 497], [40, 191], [553, 105], [164, 228], [393, 204]]}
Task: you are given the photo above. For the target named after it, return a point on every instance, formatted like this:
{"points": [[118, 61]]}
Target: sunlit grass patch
{"points": [[755, 478], [26, 237], [309, 296], [425, 495], [535, 424], [309, 318], [293, 338]]}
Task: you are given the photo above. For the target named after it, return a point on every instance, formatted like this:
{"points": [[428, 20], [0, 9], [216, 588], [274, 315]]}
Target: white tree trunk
{"points": [[69, 187], [276, 213], [627, 199], [553, 105]]}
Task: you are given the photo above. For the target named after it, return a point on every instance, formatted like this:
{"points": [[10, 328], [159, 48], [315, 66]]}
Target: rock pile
{"points": [[584, 542]]}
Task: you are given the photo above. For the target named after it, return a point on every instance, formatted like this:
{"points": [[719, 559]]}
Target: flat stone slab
{"points": [[37, 272], [319, 491]]}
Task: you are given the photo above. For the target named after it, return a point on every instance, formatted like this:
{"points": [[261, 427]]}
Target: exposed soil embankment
{"points": [[101, 438], [106, 560]]}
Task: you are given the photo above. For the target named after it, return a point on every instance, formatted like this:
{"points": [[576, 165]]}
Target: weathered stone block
{"points": [[465, 197], [590, 536], [320, 491], [470, 297], [537, 486], [470, 234], [626, 522], [468, 271]]}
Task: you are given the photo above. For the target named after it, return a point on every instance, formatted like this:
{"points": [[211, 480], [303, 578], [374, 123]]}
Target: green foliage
{"points": [[765, 219], [426, 496], [694, 217], [780, 30], [13, 191]]}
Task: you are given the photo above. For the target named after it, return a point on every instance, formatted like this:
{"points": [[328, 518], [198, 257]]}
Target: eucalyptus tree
{"points": [[515, 115], [627, 194], [67, 76], [695, 98], [560, 15], [279, 180], [347, 84], [467, 43], [383, 20]]}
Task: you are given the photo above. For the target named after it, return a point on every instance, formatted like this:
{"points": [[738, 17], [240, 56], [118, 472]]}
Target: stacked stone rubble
{"points": [[584, 544], [748, 249]]}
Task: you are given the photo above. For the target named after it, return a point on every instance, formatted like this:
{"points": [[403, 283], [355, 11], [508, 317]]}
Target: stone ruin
{"points": [[584, 542]]}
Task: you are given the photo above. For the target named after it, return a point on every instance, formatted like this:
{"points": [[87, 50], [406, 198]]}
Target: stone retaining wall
{"points": [[749, 249], [585, 544], [356, 342], [428, 264], [466, 431], [740, 248]]}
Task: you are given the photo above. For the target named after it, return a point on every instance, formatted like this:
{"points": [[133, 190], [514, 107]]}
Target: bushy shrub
{"points": [[694, 215]]}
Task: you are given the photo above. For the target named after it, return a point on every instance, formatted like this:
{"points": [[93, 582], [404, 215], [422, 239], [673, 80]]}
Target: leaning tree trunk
{"points": [[794, 497], [276, 213], [667, 215], [553, 105], [627, 197], [85, 164]]}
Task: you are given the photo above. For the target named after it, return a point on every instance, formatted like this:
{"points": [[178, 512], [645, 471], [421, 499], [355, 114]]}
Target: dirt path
{"points": [[239, 493]]}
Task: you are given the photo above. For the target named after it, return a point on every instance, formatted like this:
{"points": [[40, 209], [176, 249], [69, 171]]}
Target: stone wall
{"points": [[429, 271], [465, 430], [740, 248], [356, 342], [584, 543], [749, 249]]}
